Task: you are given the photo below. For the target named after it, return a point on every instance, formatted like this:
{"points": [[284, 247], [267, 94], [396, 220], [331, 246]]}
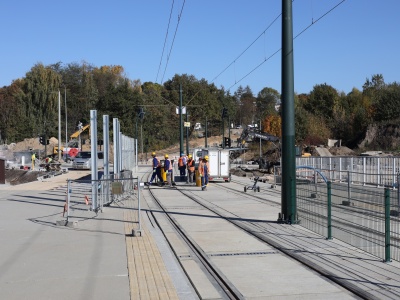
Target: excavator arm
{"points": [[77, 133]]}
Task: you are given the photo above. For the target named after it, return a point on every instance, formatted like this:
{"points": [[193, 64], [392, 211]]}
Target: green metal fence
{"points": [[365, 217]]}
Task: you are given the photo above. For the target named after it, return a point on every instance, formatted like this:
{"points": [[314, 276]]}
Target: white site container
{"points": [[218, 160]]}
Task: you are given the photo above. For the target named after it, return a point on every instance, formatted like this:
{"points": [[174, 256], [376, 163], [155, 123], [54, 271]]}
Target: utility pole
{"points": [[66, 134], [229, 124], [59, 125], [260, 142], [288, 209], [206, 133], [180, 121], [187, 132]]}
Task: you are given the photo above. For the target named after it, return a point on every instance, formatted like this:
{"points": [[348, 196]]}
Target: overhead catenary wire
{"points": [[277, 51], [173, 40], [248, 47], [165, 40]]}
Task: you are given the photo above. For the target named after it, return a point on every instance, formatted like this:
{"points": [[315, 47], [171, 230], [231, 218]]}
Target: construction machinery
{"points": [[272, 157], [80, 130], [73, 145]]}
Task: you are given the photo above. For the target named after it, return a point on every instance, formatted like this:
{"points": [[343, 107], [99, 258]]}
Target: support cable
{"points": [[277, 51], [173, 40], [165, 40]]}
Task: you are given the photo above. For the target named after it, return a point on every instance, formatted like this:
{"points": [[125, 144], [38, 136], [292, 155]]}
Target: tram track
{"points": [[263, 233], [227, 289]]}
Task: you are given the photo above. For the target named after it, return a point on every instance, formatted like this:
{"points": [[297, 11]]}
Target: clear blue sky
{"points": [[356, 40]]}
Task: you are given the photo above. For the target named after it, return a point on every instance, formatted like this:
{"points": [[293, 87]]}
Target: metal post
{"points": [[289, 209], [68, 195], [223, 131], [141, 137], [329, 190], [93, 148], [106, 142], [398, 192], [180, 122], [59, 126], [66, 118], [139, 220], [379, 172], [136, 154], [387, 225], [260, 143], [348, 186], [115, 141], [206, 133], [187, 133], [229, 128]]}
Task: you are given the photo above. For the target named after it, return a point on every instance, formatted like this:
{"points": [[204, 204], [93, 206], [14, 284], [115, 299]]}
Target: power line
{"points": [[277, 51], [165, 40], [176, 29], [248, 47]]}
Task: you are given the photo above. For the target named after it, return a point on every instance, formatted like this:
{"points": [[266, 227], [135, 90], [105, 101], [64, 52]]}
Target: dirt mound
{"points": [[341, 151], [14, 177]]}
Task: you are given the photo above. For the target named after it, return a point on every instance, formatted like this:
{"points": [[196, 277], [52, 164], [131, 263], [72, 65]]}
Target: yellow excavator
{"points": [[77, 133], [73, 138]]}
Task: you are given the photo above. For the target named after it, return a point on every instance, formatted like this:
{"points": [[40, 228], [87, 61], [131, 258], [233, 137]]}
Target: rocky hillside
{"points": [[381, 137]]}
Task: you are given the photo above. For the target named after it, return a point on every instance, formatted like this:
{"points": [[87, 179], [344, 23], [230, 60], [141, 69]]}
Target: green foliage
{"points": [[323, 101], [387, 103], [266, 100], [29, 106]]}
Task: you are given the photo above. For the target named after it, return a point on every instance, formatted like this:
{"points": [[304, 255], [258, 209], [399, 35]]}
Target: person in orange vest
{"points": [[156, 169], [204, 170], [182, 166], [168, 169], [190, 167]]}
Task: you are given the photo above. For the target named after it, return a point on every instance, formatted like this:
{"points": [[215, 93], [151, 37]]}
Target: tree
{"points": [[12, 112], [323, 101], [387, 103], [266, 100], [41, 86], [272, 124]]}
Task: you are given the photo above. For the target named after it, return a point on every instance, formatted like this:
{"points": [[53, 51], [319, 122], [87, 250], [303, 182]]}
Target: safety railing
{"points": [[365, 217], [364, 170]]}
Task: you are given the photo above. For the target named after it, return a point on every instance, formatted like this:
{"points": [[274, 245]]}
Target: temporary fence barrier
{"points": [[115, 190]]}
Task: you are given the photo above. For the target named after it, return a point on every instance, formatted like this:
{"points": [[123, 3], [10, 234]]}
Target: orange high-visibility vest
{"points": [[190, 165], [180, 162]]}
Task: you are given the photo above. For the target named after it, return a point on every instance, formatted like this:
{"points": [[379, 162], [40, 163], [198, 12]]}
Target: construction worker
{"points": [[204, 171], [190, 167], [182, 166], [168, 169], [33, 157], [156, 169]]}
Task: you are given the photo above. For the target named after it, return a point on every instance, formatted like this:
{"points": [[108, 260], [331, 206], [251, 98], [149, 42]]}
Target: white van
{"points": [[82, 160]]}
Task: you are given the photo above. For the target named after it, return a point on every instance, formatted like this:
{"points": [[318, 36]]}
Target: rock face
{"points": [[381, 137]]}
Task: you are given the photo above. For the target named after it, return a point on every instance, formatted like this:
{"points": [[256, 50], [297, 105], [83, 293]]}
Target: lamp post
{"points": [[59, 125], [66, 118]]}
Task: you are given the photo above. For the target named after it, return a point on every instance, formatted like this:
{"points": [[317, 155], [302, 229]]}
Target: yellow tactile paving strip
{"points": [[148, 276]]}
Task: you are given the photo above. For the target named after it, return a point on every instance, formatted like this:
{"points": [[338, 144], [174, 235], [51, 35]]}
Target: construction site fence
{"points": [[114, 190], [364, 216], [364, 170]]}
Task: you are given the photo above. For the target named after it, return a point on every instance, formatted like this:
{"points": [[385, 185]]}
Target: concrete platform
{"points": [[100, 259]]}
